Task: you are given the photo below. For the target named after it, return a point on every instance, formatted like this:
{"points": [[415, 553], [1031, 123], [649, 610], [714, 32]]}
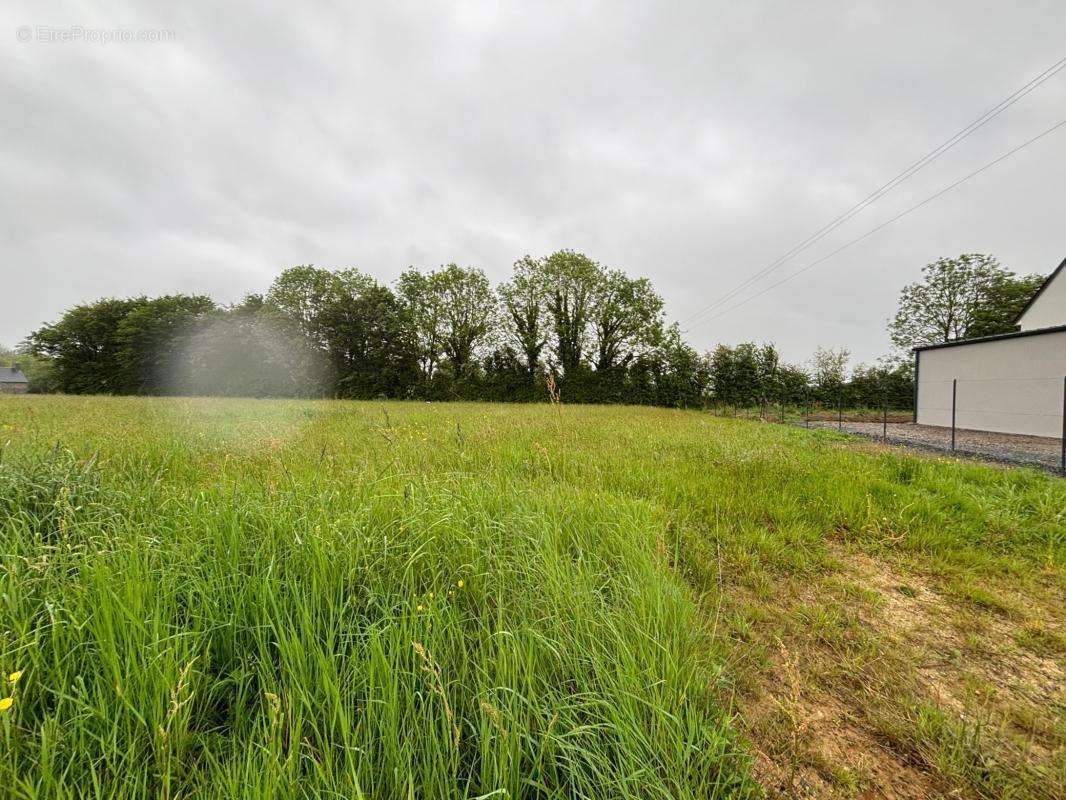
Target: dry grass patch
{"points": [[874, 681]]}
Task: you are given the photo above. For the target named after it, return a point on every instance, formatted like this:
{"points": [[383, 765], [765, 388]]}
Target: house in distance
{"points": [[13, 381], [1011, 382]]}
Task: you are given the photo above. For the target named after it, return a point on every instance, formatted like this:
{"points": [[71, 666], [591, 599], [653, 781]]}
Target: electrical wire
{"points": [[877, 194], [884, 224]]}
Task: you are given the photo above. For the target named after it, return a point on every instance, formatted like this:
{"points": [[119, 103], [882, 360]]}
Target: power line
{"points": [[911, 170], [907, 173], [886, 223]]}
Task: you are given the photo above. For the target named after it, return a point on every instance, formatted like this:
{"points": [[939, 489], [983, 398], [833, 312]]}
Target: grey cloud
{"points": [[692, 143]]}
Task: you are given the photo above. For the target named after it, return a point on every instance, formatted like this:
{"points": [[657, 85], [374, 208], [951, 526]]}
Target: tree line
{"points": [[448, 334], [445, 334]]}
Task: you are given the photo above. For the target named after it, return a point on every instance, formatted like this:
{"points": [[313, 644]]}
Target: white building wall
{"points": [[1049, 307], [1012, 385]]}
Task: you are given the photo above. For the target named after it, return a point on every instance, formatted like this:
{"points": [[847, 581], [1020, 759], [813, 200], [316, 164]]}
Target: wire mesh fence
{"points": [[1019, 420]]}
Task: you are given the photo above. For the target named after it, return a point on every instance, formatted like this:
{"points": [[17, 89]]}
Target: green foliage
{"points": [[118, 346], [1005, 296], [959, 298], [47, 492], [150, 337], [447, 335], [890, 384], [572, 282], [423, 310], [793, 385], [627, 319], [746, 374], [679, 376], [371, 351], [302, 294], [84, 347], [453, 311], [441, 335], [829, 372], [523, 300], [750, 375]]}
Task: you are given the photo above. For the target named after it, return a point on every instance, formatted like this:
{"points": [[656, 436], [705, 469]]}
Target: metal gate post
{"points": [[954, 392]]}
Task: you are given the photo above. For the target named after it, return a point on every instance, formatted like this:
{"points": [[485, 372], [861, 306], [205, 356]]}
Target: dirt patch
{"points": [[818, 722], [962, 650], [809, 744]]}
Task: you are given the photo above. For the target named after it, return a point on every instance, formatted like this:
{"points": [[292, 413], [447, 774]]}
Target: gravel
{"points": [[1007, 448]]}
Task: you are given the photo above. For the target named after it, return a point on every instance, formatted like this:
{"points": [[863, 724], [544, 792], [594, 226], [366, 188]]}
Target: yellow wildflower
{"points": [[14, 676], [6, 703], [419, 607], [460, 583]]}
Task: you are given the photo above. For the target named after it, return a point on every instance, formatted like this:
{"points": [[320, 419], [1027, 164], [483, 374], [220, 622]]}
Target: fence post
{"points": [[840, 413], [954, 392], [884, 423], [914, 399], [1062, 457], [782, 412], [807, 411]]}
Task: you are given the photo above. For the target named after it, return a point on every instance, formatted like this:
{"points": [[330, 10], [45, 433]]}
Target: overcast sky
{"points": [[692, 143]]}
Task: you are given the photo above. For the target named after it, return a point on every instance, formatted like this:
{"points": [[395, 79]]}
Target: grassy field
{"points": [[237, 598]]}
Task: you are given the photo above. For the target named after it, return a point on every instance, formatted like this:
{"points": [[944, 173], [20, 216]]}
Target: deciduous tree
{"points": [[572, 281], [468, 317], [959, 298], [425, 315], [829, 373], [525, 316], [627, 319], [150, 336], [371, 349], [84, 346]]}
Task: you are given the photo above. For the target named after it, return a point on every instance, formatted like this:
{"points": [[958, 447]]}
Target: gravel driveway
{"points": [[1008, 448]]}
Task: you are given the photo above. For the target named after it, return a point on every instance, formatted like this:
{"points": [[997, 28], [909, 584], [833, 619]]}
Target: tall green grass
{"points": [[252, 599], [238, 598]]}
